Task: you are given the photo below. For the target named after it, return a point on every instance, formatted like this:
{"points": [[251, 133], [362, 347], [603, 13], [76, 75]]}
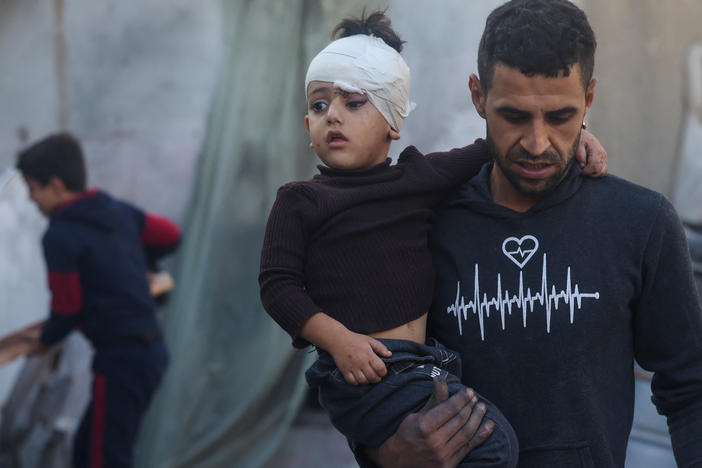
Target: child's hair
{"points": [[58, 155], [376, 24]]}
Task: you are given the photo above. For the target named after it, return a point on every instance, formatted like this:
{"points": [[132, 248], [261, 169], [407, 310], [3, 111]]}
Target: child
{"points": [[97, 251], [345, 262]]}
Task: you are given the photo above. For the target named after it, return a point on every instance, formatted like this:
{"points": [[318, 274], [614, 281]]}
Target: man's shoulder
{"points": [[628, 201], [617, 189]]}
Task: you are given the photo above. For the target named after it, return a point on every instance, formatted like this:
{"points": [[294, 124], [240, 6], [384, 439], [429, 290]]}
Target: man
{"points": [[549, 284]]}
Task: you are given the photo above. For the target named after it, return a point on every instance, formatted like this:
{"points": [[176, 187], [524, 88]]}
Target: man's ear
{"points": [[393, 134], [590, 93], [476, 94]]}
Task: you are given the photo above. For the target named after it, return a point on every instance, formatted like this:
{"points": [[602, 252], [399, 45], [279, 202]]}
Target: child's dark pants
{"points": [[125, 378], [369, 414]]}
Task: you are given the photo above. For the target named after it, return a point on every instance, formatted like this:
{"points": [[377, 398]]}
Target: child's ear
{"points": [[307, 123], [393, 134], [57, 185]]}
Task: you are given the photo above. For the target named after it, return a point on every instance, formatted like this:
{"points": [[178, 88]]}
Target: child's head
{"points": [[357, 94], [53, 169]]}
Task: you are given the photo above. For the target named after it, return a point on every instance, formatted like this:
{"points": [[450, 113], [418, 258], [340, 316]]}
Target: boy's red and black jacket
{"points": [[97, 252]]}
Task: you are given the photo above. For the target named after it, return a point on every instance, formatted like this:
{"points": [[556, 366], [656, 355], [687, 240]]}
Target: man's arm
{"points": [[668, 334], [440, 435]]}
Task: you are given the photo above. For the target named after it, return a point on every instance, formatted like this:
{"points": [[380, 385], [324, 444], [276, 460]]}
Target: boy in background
{"points": [[345, 263], [97, 251]]}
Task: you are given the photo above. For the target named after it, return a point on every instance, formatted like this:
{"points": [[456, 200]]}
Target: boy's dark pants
{"points": [[125, 378], [369, 414]]}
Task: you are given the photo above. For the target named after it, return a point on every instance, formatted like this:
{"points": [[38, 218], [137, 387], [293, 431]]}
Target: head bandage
{"points": [[366, 64]]}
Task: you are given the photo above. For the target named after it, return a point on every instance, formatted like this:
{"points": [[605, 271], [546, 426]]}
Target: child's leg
{"points": [[369, 414]]}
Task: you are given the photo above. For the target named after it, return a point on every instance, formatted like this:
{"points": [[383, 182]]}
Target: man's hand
{"points": [[440, 435], [356, 356], [591, 155]]}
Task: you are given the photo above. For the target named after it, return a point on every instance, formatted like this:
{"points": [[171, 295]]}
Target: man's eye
{"points": [[318, 106], [515, 118], [559, 119]]}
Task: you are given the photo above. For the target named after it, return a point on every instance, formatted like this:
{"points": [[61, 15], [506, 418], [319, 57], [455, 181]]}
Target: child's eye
{"points": [[318, 106], [355, 104]]}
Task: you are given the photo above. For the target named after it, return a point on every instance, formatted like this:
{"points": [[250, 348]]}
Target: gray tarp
{"points": [[235, 382]]}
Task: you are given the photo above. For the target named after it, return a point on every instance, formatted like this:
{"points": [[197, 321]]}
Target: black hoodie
{"points": [[550, 307], [97, 250]]}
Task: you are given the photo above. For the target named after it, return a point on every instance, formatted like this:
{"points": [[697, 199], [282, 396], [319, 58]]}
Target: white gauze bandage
{"points": [[368, 65]]}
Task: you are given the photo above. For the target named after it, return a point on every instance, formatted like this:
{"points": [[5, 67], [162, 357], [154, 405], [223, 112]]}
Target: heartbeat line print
{"points": [[505, 301]]}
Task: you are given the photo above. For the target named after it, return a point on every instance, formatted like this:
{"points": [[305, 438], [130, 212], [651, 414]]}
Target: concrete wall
{"points": [[132, 80], [637, 113], [638, 108]]}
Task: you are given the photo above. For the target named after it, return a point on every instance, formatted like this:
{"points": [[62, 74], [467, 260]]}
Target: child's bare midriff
{"points": [[413, 331]]}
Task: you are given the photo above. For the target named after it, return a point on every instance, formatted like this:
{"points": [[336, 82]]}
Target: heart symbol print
{"points": [[520, 250]]}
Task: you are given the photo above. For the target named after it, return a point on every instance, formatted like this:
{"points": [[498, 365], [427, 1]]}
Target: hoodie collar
{"points": [[81, 196], [476, 194]]}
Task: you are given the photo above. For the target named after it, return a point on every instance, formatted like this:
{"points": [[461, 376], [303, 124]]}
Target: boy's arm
{"points": [[591, 155], [284, 295], [281, 276], [355, 355], [160, 236], [65, 288], [460, 164]]}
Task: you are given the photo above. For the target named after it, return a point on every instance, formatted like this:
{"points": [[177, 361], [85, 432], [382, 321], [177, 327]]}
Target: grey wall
{"points": [[132, 80], [638, 103]]}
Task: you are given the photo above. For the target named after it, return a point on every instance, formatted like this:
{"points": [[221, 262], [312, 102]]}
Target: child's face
{"points": [[346, 130], [45, 197]]}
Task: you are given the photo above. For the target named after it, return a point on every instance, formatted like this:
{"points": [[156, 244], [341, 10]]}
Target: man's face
{"points": [[346, 130], [533, 128]]}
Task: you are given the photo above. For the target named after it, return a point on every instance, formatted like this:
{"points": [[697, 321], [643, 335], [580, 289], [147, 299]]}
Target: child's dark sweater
{"points": [[353, 244], [97, 250]]}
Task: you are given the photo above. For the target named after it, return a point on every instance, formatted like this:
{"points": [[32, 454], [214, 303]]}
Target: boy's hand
{"points": [[30, 338], [356, 356], [591, 155]]}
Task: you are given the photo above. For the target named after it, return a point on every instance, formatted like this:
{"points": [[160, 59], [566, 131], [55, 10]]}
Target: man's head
{"points": [[53, 169], [357, 94], [537, 37], [535, 63]]}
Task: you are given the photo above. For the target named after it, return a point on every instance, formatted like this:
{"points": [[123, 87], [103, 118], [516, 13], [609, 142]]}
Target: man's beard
{"points": [[533, 186]]}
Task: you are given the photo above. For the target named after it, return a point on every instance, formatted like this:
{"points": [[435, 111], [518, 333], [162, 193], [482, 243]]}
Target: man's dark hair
{"points": [[58, 155], [375, 24], [537, 37]]}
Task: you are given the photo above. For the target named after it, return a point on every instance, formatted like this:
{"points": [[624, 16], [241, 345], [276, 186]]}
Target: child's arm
{"points": [[159, 235], [591, 155], [460, 164], [355, 355], [64, 285], [285, 298]]}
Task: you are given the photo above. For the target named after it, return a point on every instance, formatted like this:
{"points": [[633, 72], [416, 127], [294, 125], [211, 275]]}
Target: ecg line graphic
{"points": [[503, 302]]}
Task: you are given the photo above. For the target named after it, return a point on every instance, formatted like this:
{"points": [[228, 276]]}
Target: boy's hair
{"points": [[538, 37], [376, 24], [58, 155]]}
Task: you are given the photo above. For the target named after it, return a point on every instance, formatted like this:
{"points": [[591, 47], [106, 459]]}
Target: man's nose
{"points": [[536, 139]]}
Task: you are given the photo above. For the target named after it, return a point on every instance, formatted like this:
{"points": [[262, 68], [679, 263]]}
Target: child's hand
{"points": [[591, 155], [356, 356]]}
